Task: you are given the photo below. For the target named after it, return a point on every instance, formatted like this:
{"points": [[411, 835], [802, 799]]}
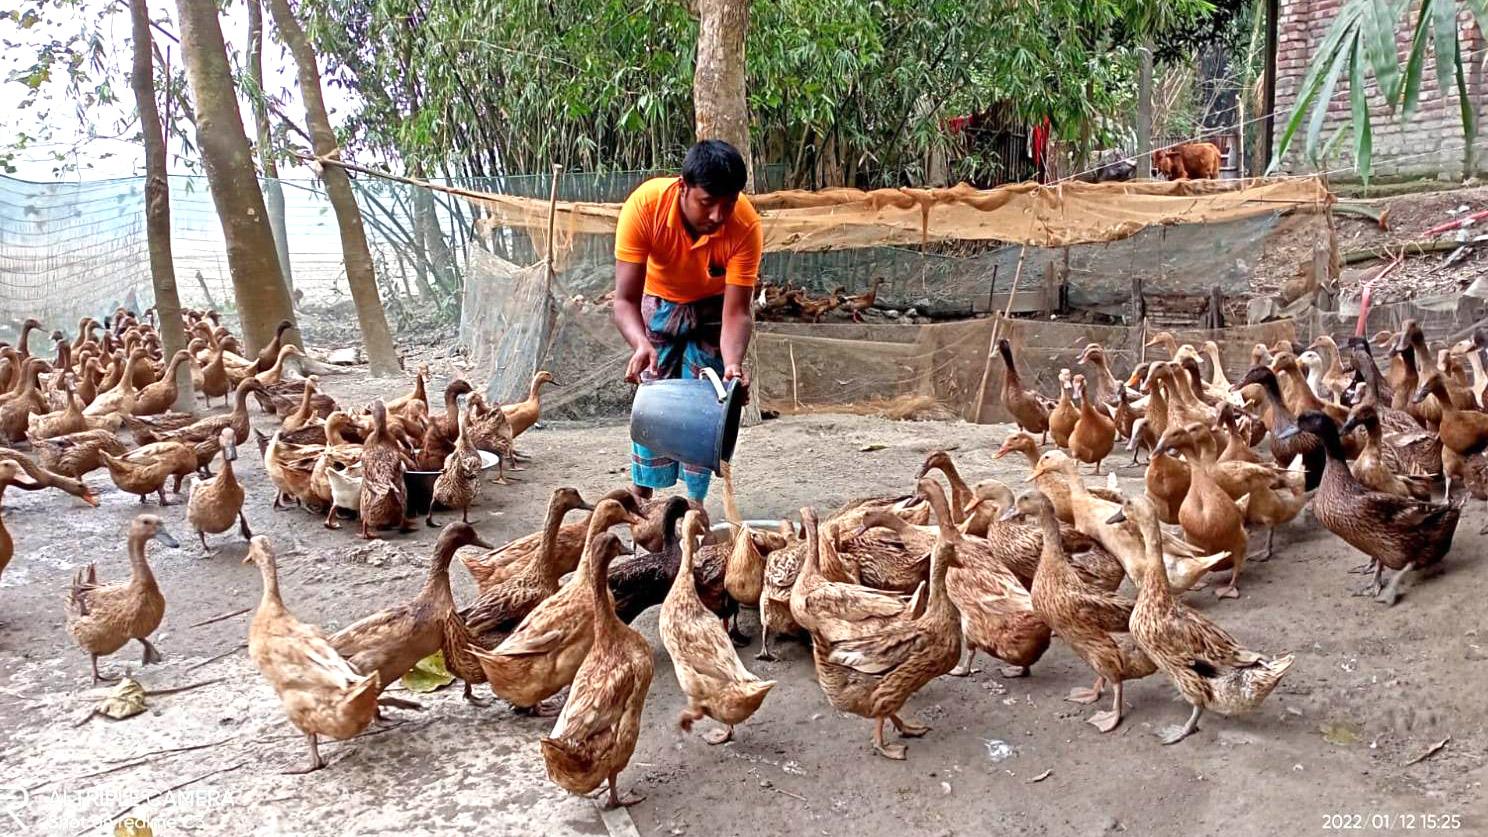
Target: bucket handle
{"points": [[712, 378]]}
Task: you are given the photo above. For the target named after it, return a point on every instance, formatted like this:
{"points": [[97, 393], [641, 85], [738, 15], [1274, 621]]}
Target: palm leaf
{"points": [[1330, 81], [1444, 14], [1377, 29], [1323, 61], [1469, 117], [1363, 136], [1413, 64]]}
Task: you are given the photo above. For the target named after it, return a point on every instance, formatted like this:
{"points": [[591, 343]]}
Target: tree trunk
{"points": [[273, 191], [1144, 110], [263, 301], [432, 236], [718, 95], [157, 204], [382, 356]]}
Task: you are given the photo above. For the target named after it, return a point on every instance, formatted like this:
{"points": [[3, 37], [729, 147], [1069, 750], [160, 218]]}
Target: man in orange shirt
{"points": [[687, 255]]}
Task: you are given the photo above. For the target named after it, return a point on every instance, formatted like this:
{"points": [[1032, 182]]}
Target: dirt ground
{"points": [[1372, 689], [1408, 217]]}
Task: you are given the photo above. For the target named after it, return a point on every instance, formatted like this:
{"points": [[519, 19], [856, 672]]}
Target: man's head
{"points": [[713, 175]]}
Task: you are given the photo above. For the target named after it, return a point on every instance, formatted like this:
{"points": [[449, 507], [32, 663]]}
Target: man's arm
{"points": [[630, 281], [738, 326]]}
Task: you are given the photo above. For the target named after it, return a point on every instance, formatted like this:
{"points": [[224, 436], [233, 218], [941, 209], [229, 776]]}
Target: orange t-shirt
{"points": [[678, 268]]}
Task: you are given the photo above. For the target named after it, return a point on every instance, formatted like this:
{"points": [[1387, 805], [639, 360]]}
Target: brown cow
{"points": [[1189, 161]]}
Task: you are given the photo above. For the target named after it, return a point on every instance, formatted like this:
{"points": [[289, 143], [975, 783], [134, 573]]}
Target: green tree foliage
{"points": [[840, 91]]}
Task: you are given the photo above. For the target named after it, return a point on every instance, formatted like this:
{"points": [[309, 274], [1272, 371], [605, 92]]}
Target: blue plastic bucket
{"points": [[692, 420]]}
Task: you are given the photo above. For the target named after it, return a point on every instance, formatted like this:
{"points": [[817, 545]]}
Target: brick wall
{"points": [[1431, 143]]}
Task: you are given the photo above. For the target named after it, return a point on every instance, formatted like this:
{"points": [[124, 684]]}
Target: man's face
{"points": [[705, 213]]}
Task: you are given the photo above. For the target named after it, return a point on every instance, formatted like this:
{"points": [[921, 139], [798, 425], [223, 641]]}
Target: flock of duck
{"points": [[891, 592]]}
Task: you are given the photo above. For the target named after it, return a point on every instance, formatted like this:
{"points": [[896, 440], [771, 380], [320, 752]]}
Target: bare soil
{"points": [[1407, 218], [1372, 689]]}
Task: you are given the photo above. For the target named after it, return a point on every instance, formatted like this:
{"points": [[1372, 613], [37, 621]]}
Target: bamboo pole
{"points": [[795, 382], [552, 224], [550, 272], [996, 333]]}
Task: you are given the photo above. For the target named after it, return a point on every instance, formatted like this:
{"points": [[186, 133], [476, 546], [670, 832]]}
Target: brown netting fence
{"points": [[948, 259]]}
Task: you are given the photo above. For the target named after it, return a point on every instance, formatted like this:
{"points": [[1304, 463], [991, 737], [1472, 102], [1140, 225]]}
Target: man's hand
{"points": [[643, 360], [736, 372]]}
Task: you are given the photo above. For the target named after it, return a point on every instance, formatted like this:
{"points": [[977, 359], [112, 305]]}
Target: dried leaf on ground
{"points": [[428, 674], [125, 701], [1341, 733]]}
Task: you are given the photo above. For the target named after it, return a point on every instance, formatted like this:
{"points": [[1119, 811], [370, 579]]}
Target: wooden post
{"points": [[996, 329], [550, 273], [1051, 289], [1214, 317], [1144, 109], [1137, 305]]}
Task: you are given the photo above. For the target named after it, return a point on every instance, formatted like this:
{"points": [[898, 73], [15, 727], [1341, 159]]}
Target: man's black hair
{"points": [[717, 167]]}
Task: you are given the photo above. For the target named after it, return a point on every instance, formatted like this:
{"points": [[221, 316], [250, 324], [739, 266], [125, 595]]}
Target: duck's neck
{"points": [[606, 624], [1183, 387], [534, 392], [1335, 363], [1051, 558], [1153, 590], [939, 609], [307, 393], [271, 351], [1011, 379], [961, 494], [1216, 366], [278, 368], [141, 577], [1282, 416], [1157, 400], [1444, 398], [1373, 436], [227, 475], [1479, 380], [333, 431], [177, 359], [548, 545], [683, 583], [1425, 363], [1087, 410], [829, 560], [436, 589], [1315, 379], [240, 403], [811, 561], [1306, 400], [32, 379], [130, 365], [269, 602], [1105, 383], [1076, 484]]}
